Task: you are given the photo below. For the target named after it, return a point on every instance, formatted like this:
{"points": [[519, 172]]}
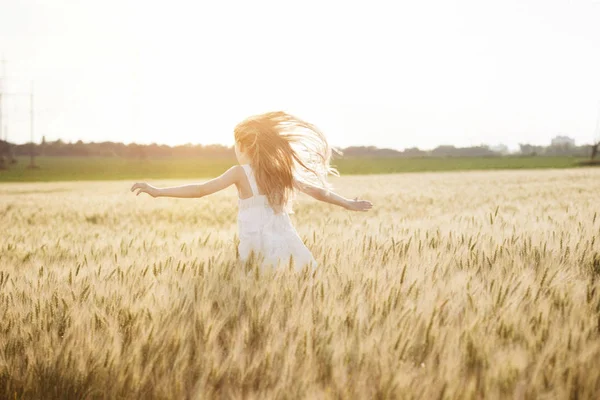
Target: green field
{"points": [[111, 168]]}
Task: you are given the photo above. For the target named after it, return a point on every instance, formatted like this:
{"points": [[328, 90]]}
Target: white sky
{"points": [[390, 74]]}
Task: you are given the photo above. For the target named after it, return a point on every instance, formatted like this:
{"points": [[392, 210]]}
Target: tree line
{"points": [[8, 151]]}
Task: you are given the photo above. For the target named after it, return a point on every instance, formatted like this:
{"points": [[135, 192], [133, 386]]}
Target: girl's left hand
{"points": [[359, 205], [144, 188]]}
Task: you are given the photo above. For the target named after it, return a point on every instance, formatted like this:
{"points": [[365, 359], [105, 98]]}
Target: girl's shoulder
{"points": [[234, 174]]}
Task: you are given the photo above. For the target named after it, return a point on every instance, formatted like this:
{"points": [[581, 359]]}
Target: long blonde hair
{"points": [[283, 148]]}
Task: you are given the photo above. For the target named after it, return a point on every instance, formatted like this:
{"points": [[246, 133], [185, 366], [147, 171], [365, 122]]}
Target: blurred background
{"points": [[386, 80]]}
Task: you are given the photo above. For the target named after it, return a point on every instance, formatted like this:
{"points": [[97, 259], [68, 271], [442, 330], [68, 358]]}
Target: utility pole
{"points": [[2, 150], [4, 118], [597, 132], [2, 71], [596, 142], [31, 126]]}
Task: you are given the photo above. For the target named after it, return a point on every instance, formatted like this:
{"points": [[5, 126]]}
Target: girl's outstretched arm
{"points": [[333, 198], [228, 178]]}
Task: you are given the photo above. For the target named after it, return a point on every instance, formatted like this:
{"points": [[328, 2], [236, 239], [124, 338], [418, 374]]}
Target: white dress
{"points": [[270, 235]]}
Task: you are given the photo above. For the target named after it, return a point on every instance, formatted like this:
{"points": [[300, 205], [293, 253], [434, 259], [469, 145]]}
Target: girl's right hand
{"points": [[359, 205], [144, 188]]}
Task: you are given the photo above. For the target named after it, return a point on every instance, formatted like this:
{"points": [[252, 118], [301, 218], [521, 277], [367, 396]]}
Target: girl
{"points": [[278, 155]]}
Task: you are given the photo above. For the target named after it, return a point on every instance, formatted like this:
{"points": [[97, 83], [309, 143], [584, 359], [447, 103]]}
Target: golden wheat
{"points": [[456, 285]]}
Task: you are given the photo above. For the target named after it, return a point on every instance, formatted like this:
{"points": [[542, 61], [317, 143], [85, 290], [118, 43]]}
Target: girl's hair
{"points": [[282, 148]]}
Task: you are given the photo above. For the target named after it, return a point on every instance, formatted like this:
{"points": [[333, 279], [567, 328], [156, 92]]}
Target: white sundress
{"points": [[269, 234]]}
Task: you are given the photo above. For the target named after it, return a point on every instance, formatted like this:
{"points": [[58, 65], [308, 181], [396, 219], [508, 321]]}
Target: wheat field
{"points": [[455, 286]]}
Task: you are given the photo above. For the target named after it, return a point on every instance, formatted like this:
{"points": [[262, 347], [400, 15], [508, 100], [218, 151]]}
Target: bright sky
{"points": [[390, 74]]}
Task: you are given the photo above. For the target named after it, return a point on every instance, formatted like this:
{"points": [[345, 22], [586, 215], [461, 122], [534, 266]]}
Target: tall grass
{"points": [[456, 285]]}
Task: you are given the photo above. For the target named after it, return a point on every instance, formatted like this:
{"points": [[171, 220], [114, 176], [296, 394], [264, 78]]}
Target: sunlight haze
{"points": [[388, 74]]}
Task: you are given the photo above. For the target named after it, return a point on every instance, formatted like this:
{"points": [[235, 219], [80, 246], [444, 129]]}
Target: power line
{"points": [[597, 131], [3, 70], [32, 161], [4, 93]]}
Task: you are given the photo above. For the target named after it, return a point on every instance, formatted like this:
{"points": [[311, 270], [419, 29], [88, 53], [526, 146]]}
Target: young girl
{"points": [[278, 155]]}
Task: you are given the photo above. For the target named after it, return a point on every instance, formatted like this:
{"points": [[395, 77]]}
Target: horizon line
{"points": [[490, 146]]}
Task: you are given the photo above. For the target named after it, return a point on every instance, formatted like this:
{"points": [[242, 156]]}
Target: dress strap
{"points": [[251, 180]]}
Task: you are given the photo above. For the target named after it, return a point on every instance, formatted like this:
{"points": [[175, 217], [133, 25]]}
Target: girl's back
{"points": [[266, 232]]}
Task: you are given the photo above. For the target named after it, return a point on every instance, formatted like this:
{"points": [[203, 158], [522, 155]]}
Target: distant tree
{"points": [[500, 149], [562, 141], [451, 151], [561, 145], [79, 149], [443, 151], [530, 150], [414, 152], [137, 151], [11, 154], [58, 148], [370, 151], [4, 149]]}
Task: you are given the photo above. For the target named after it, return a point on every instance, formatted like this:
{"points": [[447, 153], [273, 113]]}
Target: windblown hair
{"points": [[284, 149]]}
